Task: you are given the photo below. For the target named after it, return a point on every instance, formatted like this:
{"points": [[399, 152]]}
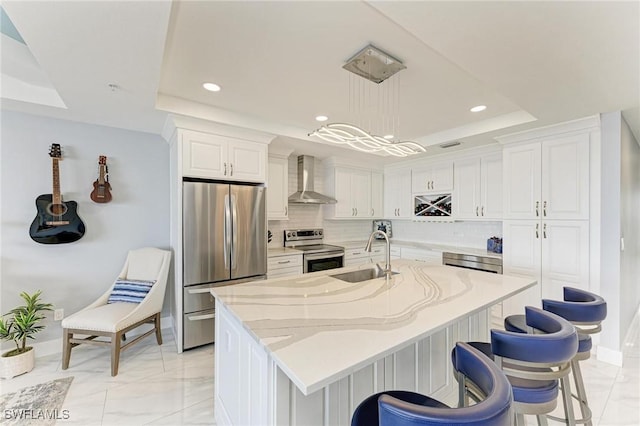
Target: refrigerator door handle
{"points": [[234, 232], [227, 232]]}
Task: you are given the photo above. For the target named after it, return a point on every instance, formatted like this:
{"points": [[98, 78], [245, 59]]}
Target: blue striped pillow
{"points": [[129, 291]]}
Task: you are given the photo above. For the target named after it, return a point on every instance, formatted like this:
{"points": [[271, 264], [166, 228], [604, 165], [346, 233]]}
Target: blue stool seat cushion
{"points": [[517, 324], [367, 412]]}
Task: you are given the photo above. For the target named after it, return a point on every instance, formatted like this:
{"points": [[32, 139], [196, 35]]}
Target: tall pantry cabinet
{"points": [[546, 210]]}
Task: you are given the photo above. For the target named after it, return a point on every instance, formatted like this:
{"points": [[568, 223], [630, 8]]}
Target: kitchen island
{"points": [[307, 349]]}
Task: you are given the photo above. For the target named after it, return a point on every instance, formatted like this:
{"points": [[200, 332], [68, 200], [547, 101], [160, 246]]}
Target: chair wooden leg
{"points": [[158, 328], [116, 338], [66, 348]]}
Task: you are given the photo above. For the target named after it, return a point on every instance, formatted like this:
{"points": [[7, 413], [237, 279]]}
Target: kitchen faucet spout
{"points": [[387, 266]]}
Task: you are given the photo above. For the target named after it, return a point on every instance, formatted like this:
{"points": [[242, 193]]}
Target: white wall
{"points": [[620, 156], [466, 234], [72, 275]]}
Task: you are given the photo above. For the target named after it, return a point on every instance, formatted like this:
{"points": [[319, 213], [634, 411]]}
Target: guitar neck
{"points": [[57, 198], [101, 175]]}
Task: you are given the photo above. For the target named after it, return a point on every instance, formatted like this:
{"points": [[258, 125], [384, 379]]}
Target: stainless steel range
{"points": [[316, 256]]}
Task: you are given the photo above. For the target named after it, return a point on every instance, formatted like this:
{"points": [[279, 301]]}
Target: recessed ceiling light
{"points": [[478, 108], [388, 137], [212, 87], [322, 118]]}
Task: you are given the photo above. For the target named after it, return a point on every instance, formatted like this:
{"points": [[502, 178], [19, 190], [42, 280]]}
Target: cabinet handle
{"points": [[396, 212], [282, 262], [537, 208], [356, 253], [353, 211], [372, 212], [356, 211], [482, 211], [544, 231], [286, 210], [225, 169], [477, 211], [537, 228], [231, 167], [544, 209]]}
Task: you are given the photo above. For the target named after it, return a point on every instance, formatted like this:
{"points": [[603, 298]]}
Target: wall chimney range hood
{"points": [[305, 193]]}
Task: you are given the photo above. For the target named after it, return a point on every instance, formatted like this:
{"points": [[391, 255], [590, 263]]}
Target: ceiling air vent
{"points": [[450, 144]]}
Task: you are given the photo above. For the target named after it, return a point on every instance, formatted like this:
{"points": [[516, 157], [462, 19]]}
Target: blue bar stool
{"points": [[533, 363], [586, 311], [404, 408]]}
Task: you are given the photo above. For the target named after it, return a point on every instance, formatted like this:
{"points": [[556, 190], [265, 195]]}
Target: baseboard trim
{"points": [[609, 356], [52, 347]]}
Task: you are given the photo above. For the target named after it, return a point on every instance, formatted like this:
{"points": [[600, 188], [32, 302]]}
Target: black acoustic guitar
{"points": [[57, 222]]}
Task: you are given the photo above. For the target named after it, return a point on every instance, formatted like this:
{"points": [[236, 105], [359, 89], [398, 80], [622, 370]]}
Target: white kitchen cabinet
{"points": [[555, 252], [358, 193], [431, 257], [212, 156], [436, 177], [377, 195], [278, 188], [478, 188], [359, 256], [282, 266], [548, 179], [397, 194]]}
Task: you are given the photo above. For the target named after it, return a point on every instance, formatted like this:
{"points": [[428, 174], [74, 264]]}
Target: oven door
{"points": [[323, 261]]}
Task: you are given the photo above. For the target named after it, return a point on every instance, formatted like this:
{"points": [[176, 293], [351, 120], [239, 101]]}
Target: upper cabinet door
{"points": [[361, 193], [247, 161], [377, 190], [397, 194], [278, 189], [436, 177], [491, 186], [204, 155], [342, 192], [565, 177], [522, 170], [466, 200]]}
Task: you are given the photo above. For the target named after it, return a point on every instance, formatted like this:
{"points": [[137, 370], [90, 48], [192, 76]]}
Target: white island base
{"points": [[306, 350], [252, 390]]}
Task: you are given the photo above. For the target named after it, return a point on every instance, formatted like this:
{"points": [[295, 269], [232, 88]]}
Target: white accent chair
{"points": [[113, 320]]}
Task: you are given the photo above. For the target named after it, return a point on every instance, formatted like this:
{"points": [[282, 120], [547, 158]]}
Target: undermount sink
{"points": [[361, 275]]}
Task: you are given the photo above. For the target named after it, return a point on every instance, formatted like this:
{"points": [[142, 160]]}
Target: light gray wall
{"points": [[73, 275], [630, 227], [620, 203]]}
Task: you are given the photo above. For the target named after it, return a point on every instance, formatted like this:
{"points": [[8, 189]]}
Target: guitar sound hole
{"points": [[56, 209]]}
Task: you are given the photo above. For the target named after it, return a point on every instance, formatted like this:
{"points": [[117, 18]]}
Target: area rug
{"points": [[35, 405]]}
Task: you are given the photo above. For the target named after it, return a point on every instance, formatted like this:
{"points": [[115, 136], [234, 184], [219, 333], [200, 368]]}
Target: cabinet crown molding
{"points": [[580, 125], [175, 122]]}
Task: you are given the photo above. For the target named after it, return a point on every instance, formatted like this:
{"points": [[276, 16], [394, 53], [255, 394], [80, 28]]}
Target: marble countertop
{"points": [[319, 329], [281, 251]]}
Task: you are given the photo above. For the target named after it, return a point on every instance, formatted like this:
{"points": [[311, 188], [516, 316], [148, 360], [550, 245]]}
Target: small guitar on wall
{"points": [[101, 188], [56, 222]]}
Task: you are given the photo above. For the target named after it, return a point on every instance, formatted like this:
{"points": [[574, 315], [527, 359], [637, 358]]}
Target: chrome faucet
{"points": [[387, 266]]}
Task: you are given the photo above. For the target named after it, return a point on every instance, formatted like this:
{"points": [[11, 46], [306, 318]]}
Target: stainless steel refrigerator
{"points": [[224, 242]]}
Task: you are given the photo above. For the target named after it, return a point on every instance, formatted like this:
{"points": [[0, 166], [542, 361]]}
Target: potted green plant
{"points": [[20, 324]]}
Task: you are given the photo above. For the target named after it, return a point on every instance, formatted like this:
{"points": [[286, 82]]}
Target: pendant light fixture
{"points": [[374, 102]]}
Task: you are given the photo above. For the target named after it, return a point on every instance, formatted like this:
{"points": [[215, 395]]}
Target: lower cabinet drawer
{"points": [[199, 328], [284, 261]]}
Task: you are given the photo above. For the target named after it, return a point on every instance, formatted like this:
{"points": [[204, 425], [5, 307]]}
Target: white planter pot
{"points": [[12, 366]]}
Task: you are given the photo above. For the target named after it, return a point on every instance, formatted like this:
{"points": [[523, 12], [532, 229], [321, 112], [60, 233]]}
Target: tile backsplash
{"points": [[468, 234]]}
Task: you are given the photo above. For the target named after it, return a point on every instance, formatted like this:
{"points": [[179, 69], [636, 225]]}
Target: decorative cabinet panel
{"points": [[547, 179], [358, 193], [397, 195], [436, 177], [221, 157], [478, 188], [278, 188]]}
